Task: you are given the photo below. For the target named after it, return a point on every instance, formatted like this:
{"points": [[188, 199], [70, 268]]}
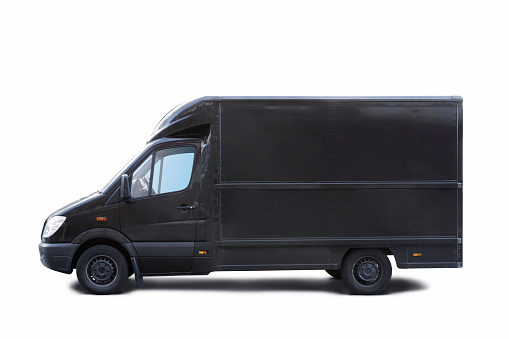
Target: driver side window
{"points": [[173, 168], [171, 172]]}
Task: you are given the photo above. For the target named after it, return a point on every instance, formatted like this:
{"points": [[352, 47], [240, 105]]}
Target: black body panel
{"points": [[338, 213], [303, 142]]}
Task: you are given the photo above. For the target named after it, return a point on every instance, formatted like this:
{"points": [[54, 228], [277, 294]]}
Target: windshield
{"points": [[122, 171]]}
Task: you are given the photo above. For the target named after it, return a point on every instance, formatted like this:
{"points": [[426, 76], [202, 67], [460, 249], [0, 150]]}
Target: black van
{"points": [[275, 183]]}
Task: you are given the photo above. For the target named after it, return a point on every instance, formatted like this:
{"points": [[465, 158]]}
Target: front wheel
{"points": [[102, 270], [366, 271]]}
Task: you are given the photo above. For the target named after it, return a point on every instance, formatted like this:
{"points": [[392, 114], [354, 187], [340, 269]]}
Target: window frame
{"points": [[152, 153], [160, 174]]}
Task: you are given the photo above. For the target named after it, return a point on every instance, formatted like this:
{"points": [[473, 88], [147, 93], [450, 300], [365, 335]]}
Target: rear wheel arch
{"points": [[386, 250], [335, 273]]}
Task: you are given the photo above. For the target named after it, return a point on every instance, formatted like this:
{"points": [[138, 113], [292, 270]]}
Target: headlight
{"points": [[52, 225]]}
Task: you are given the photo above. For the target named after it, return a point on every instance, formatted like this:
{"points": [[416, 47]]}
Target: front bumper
{"points": [[58, 257]]}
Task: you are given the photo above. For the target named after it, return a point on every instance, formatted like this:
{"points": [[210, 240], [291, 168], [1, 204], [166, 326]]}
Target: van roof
{"points": [[341, 98], [205, 110]]}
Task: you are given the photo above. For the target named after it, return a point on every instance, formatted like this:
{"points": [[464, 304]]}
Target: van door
{"points": [[160, 217]]}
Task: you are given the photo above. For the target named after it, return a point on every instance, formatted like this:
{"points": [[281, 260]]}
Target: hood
{"points": [[80, 205]]}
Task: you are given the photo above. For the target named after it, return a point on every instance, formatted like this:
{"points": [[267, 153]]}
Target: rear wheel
{"points": [[366, 271], [102, 270]]}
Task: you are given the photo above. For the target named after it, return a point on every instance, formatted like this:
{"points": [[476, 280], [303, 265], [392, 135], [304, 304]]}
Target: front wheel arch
{"points": [[102, 241]]}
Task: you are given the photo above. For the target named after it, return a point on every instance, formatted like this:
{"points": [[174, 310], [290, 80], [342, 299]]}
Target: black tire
{"points": [[102, 270], [366, 271], [336, 274]]}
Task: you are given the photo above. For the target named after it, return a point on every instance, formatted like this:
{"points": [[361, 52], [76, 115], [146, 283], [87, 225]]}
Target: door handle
{"points": [[185, 208]]}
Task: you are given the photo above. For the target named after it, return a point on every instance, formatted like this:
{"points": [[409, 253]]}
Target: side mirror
{"points": [[125, 189]]}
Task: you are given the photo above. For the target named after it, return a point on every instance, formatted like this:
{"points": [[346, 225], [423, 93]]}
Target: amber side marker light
{"points": [[417, 254], [101, 219], [203, 252]]}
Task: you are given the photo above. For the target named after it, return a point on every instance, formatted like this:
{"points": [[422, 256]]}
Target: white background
{"points": [[82, 85]]}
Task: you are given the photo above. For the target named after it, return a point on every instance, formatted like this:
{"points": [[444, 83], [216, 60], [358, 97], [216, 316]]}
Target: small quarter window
{"points": [[141, 179]]}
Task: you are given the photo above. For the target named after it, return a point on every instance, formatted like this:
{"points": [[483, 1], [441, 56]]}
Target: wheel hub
{"points": [[101, 270], [366, 271]]}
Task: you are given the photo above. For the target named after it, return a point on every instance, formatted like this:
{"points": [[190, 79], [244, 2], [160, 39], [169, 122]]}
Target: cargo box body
{"points": [[304, 180]]}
